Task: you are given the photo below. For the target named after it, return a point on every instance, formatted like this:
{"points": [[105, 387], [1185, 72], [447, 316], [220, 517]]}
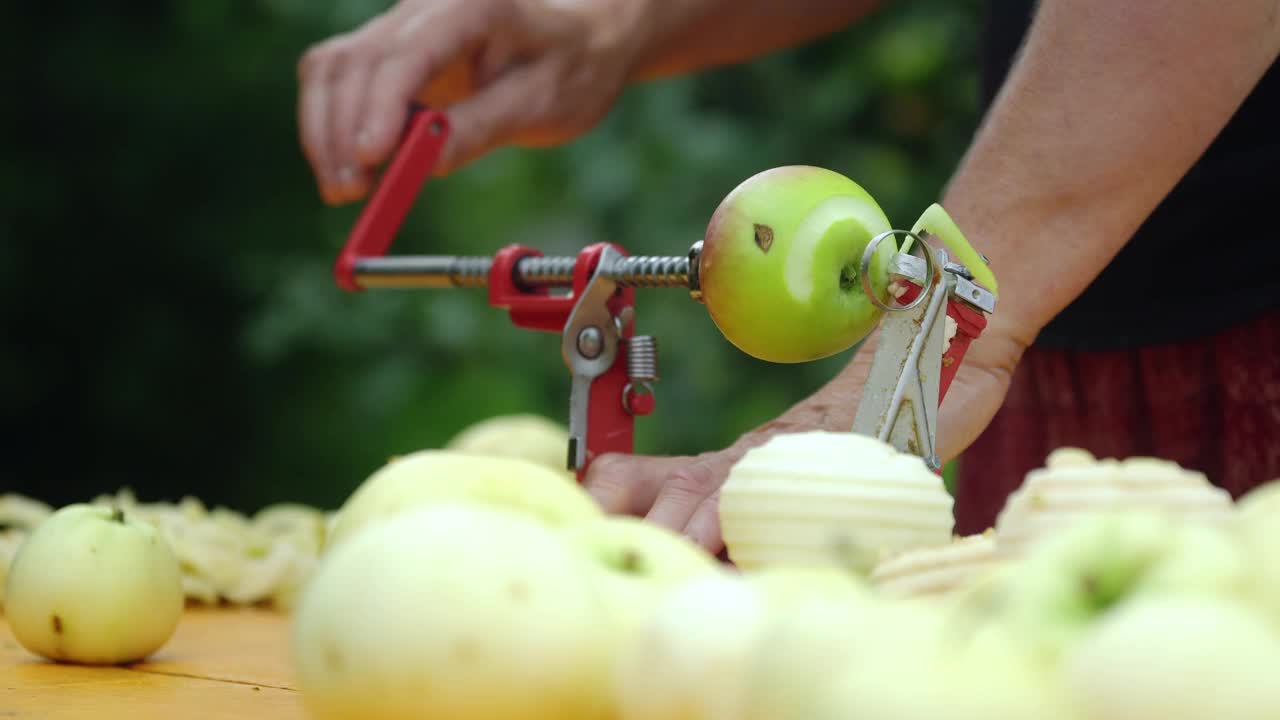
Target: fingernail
{"points": [[346, 177], [363, 140]]}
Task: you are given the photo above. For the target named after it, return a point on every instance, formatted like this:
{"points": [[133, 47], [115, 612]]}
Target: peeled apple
{"points": [[828, 498], [1176, 658], [92, 585], [453, 611], [1074, 483], [525, 436], [635, 562], [692, 658], [780, 264], [432, 476]]}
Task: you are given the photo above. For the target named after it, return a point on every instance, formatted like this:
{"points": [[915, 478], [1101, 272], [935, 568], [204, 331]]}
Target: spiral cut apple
{"points": [[827, 498], [937, 571], [1074, 484]]}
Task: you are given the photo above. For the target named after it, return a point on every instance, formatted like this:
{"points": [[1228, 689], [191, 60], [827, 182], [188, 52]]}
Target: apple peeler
{"points": [[614, 370]]}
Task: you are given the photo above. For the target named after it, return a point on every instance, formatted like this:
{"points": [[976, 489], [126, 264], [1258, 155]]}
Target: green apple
{"points": [[636, 562], [430, 476], [780, 268], [797, 648], [92, 585], [912, 663], [693, 656], [1260, 505], [1177, 658], [689, 660], [787, 585], [1256, 525], [453, 610], [935, 221], [1106, 560], [525, 436]]}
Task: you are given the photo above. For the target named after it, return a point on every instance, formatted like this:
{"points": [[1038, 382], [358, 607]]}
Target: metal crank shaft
{"points": [[446, 271]]}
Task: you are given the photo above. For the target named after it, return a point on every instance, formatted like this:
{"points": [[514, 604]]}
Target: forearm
{"points": [[701, 34], [1107, 108]]}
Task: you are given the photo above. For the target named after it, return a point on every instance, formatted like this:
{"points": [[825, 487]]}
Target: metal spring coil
{"points": [[651, 271], [471, 272], [642, 358], [546, 270]]}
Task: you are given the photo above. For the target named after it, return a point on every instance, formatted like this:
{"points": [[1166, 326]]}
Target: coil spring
{"points": [[471, 271], [546, 270], [651, 271], [642, 359]]}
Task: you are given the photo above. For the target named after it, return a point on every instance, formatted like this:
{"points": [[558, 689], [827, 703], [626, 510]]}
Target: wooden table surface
{"points": [[221, 663]]}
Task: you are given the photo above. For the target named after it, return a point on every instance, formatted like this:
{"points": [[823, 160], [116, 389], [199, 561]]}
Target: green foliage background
{"points": [[170, 319]]}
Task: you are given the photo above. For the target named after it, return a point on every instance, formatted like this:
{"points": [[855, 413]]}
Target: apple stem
{"points": [[117, 515]]}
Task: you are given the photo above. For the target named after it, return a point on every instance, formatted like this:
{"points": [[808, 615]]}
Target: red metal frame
{"points": [[394, 196], [969, 325], [610, 427]]}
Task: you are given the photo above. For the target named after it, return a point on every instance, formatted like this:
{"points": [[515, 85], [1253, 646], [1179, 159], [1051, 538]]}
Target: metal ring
{"points": [[865, 269], [629, 387]]}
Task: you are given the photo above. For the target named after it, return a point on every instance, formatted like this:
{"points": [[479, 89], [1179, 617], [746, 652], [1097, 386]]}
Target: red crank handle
{"points": [[397, 189]]}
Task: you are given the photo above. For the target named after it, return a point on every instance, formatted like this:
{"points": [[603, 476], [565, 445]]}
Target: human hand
{"points": [[683, 493], [678, 493], [528, 72]]}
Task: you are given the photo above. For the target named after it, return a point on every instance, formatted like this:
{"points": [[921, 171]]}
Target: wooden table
{"points": [[221, 663]]}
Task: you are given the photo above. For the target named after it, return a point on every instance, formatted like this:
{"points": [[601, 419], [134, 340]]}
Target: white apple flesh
{"points": [[525, 436], [1107, 560], [453, 611], [92, 585], [1177, 658], [829, 498], [433, 476], [780, 264], [635, 562]]}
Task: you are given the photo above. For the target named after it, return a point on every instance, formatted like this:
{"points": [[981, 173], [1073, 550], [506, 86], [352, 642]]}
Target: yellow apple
{"points": [[636, 562], [1177, 658], [453, 610], [525, 436], [1107, 560], [431, 476], [92, 585]]}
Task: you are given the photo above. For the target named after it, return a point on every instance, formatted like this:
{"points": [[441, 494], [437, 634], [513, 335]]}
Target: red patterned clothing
{"points": [[1211, 404]]}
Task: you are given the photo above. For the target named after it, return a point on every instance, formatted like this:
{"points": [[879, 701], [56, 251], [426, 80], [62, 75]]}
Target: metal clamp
{"points": [[902, 263], [589, 345]]}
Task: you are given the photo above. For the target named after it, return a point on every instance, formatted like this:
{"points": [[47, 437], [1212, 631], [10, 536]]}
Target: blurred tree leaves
{"points": [[170, 318]]}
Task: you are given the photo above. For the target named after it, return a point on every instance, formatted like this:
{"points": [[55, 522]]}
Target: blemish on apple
{"points": [[764, 237], [518, 591]]}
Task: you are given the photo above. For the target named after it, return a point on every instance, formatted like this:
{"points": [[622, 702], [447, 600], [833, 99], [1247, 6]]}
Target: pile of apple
{"points": [[464, 586]]}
